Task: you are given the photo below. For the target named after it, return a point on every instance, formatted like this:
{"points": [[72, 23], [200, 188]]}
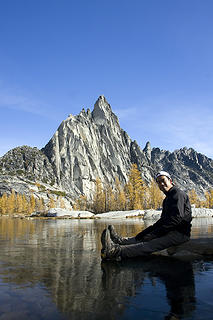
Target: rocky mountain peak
{"points": [[102, 112], [91, 145], [147, 150]]}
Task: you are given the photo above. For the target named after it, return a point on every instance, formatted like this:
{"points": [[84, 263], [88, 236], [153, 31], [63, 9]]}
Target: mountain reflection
{"points": [[64, 257]]}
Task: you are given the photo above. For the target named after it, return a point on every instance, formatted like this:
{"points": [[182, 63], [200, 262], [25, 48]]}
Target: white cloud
{"points": [[23, 103]]}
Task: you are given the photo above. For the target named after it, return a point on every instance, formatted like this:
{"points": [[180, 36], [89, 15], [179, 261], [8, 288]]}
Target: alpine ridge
{"points": [[91, 145]]}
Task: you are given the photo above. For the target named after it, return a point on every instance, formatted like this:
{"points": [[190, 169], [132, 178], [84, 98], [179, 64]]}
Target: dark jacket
{"points": [[176, 215]]}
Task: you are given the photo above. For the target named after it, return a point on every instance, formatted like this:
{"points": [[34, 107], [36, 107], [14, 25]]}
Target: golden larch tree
{"points": [[4, 203], [61, 202], [81, 203], [135, 189], [32, 204], [120, 198], [209, 199], [51, 203], [109, 199], [99, 204], [193, 197], [155, 196], [25, 204], [40, 205], [19, 203], [11, 202]]}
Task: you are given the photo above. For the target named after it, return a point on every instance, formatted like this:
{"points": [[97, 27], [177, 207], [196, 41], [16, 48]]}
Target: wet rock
{"points": [[193, 249]]}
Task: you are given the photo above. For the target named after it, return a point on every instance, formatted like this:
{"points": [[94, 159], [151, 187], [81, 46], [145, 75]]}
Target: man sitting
{"points": [[173, 227]]}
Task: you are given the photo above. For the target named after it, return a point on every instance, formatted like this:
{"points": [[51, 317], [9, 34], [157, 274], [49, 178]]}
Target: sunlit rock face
{"points": [[91, 145]]}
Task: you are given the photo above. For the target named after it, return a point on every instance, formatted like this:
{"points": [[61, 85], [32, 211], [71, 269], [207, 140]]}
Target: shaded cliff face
{"points": [[29, 163], [189, 169], [28, 171], [91, 145]]}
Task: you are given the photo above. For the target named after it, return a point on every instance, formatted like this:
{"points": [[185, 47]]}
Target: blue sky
{"points": [[151, 59]]}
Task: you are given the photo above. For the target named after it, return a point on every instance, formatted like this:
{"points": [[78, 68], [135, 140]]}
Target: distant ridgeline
{"points": [[91, 149]]}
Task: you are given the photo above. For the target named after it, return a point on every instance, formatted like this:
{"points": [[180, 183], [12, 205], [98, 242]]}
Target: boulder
{"points": [[59, 212], [120, 214], [194, 249], [202, 213]]}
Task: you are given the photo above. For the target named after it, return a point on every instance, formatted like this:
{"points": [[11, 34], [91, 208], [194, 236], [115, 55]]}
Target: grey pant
{"points": [[131, 248]]}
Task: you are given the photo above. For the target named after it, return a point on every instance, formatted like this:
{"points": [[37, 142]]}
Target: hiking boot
{"points": [[103, 235], [114, 236], [110, 250]]}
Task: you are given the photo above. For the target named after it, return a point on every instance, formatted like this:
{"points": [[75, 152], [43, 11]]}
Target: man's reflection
{"points": [[177, 276]]}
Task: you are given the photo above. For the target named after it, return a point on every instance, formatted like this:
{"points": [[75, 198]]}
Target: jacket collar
{"points": [[170, 190]]}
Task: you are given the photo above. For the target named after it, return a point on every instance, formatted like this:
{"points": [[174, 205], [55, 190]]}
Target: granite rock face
{"points": [[29, 163], [91, 145], [27, 170]]}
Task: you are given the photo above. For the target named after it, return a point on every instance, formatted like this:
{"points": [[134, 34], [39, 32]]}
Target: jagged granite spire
{"points": [[102, 112], [148, 150], [88, 146]]}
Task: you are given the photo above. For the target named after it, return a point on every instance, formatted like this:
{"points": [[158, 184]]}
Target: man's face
{"points": [[164, 183]]}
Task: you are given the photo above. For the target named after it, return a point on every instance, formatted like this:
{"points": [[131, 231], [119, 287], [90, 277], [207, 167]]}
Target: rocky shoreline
{"points": [[59, 213], [144, 214]]}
